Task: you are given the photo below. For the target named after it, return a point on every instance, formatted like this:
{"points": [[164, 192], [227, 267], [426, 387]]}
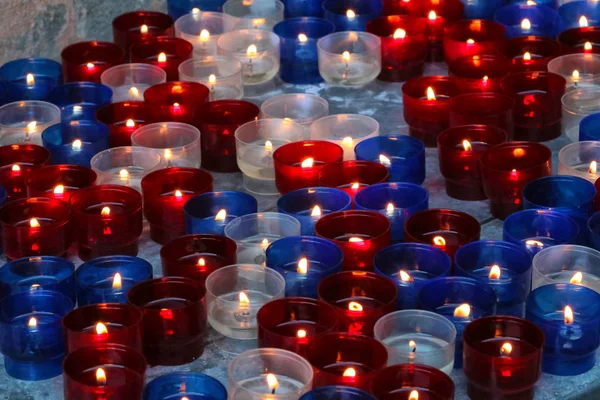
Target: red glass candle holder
{"points": [[176, 101], [59, 181], [137, 26], [108, 220], [581, 40], [123, 379], [404, 45], [86, 61], [531, 53], [16, 163], [480, 73], [353, 176], [103, 323], [494, 109], [360, 234], [123, 119], [360, 299], [459, 160], [345, 359], [507, 168], [218, 121], [294, 323], [174, 322], [445, 229], [394, 7], [164, 52], [197, 256], [538, 107], [473, 37], [165, 192], [399, 381], [426, 106]]}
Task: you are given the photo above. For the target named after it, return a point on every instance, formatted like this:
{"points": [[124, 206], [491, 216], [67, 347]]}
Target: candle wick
{"points": [[346, 70], [250, 67], [414, 349], [273, 391]]}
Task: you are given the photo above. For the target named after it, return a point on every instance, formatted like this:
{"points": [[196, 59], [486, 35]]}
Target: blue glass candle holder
{"points": [[589, 128], [302, 8], [542, 20], [178, 8], [482, 9], [536, 230], [506, 266], [337, 393], [191, 385], [3, 93], [299, 61], [404, 156], [80, 100], [571, 14], [461, 300], [35, 273], [351, 15], [97, 280], [571, 339], [301, 204], [548, 3], [32, 340], [394, 200], [75, 142], [410, 266], [304, 261], [210, 212], [31, 78]]}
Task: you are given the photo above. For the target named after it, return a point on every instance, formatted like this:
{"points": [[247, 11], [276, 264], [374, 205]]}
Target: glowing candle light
{"points": [[101, 328], [105, 211], [355, 306], [252, 51], [385, 161], [90, 67], [308, 163], [59, 189], [303, 266], [268, 146], [432, 15], [575, 76], [346, 56], [130, 123], [221, 215], [302, 38], [195, 10], [204, 35], [100, 377], [212, 81], [144, 29], [467, 145], [577, 278], [506, 349], [33, 223], [272, 382], [301, 333], [462, 311], [414, 395], [530, 3], [587, 46], [354, 239], [470, 41], [526, 24], [534, 243], [124, 175], [32, 323], [355, 185], [583, 22], [495, 272], [527, 56], [16, 168], [201, 262], [439, 241], [349, 372], [316, 211], [350, 14], [405, 277], [76, 145], [568, 315], [178, 194], [347, 141], [399, 34], [593, 167], [117, 281], [35, 286], [264, 244], [162, 58], [30, 79], [31, 126], [430, 94], [413, 345], [244, 300]]}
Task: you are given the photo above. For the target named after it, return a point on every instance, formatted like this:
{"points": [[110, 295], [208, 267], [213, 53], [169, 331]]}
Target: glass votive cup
{"points": [[203, 29], [124, 373], [254, 15], [204, 213], [257, 50], [410, 266], [151, 51], [253, 233], [349, 58], [301, 108], [407, 378], [86, 61], [403, 156], [129, 81], [75, 142], [255, 142], [541, 50], [490, 373], [251, 375], [234, 294], [30, 78], [506, 169], [360, 234], [345, 130], [295, 9], [571, 14], [16, 164], [395, 200], [177, 101], [580, 70], [197, 256], [579, 159], [178, 8], [177, 143], [103, 323], [480, 73], [337, 392], [576, 105], [123, 119], [59, 181], [418, 337], [108, 279], [593, 231], [581, 40], [353, 176], [589, 127], [351, 15], [304, 261], [184, 384], [528, 20], [33, 342], [548, 307], [360, 299], [80, 100], [471, 37], [494, 109], [221, 75], [137, 26], [23, 122]]}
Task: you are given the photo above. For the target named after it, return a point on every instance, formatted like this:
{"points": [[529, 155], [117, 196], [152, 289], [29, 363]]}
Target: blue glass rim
{"points": [[416, 145], [572, 11], [341, 199], [312, 27], [588, 125], [443, 264], [61, 268], [346, 392], [402, 187], [327, 247], [513, 14], [594, 220], [523, 269], [514, 219], [535, 190], [550, 293], [480, 290], [196, 207], [88, 131], [211, 387], [80, 92], [362, 8], [44, 297], [139, 269], [18, 69]]}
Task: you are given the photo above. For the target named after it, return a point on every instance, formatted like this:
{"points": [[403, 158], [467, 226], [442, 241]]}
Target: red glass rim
{"points": [[485, 104], [178, 47], [181, 92], [451, 138], [518, 82], [124, 110], [23, 153], [390, 379], [442, 85], [363, 222], [90, 51], [450, 10], [168, 179], [578, 36], [342, 285], [80, 318], [227, 112], [130, 199], [47, 177], [597, 185], [385, 26], [434, 219], [161, 288], [186, 245], [480, 30], [348, 172], [541, 45], [478, 66], [13, 212], [294, 153], [521, 156], [327, 348], [133, 19]]}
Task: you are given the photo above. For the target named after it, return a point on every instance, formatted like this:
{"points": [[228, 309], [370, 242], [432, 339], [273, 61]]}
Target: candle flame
{"points": [[256, 22], [399, 34], [439, 241], [167, 153], [530, 3], [308, 163], [534, 243], [405, 277], [244, 300], [350, 372], [432, 15], [462, 311], [268, 146], [144, 29], [575, 75], [583, 22], [346, 56], [302, 38], [347, 141], [30, 79], [587, 46], [568, 315], [467, 145], [76, 145], [101, 328], [212, 80], [485, 79], [355, 306], [174, 105], [35, 286], [77, 109], [506, 349], [355, 239], [430, 93], [90, 66], [301, 333], [264, 244], [195, 10], [593, 167], [33, 222], [414, 395], [251, 51], [130, 123], [350, 14], [385, 160], [470, 41], [105, 211], [525, 24], [178, 194], [221, 215], [32, 322], [124, 174], [162, 58], [16, 167], [117, 281], [495, 272], [31, 126], [316, 211], [204, 35], [576, 278], [101, 377], [59, 189], [201, 262], [527, 56], [272, 381], [412, 344], [355, 185], [303, 266]]}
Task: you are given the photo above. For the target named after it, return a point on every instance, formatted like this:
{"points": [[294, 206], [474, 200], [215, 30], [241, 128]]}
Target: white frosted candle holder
{"points": [[255, 143], [580, 70], [129, 81], [177, 143], [203, 29], [257, 50], [23, 122], [303, 109], [349, 58], [577, 159], [125, 165], [418, 337], [576, 105], [255, 14], [345, 130], [222, 75]]}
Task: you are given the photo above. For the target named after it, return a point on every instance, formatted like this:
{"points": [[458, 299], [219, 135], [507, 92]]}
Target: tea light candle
{"points": [[471, 37], [360, 235], [410, 266], [579, 70], [576, 105], [531, 53], [301, 108], [579, 159], [178, 8], [579, 15], [503, 357], [165, 192], [33, 341], [75, 142], [353, 176], [16, 163], [123, 119], [177, 143], [23, 122], [129, 81], [351, 15], [137, 26], [394, 200], [203, 29], [403, 156], [349, 58], [304, 261], [185, 384], [59, 181], [254, 15], [221, 75], [103, 323], [480, 73], [108, 279], [337, 391], [581, 40], [412, 380], [86, 61], [493, 109], [197, 256], [80, 100], [164, 52], [506, 169], [345, 130], [588, 126], [30, 78], [418, 337], [570, 326], [253, 233], [177, 101], [528, 20], [210, 212], [106, 370]]}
